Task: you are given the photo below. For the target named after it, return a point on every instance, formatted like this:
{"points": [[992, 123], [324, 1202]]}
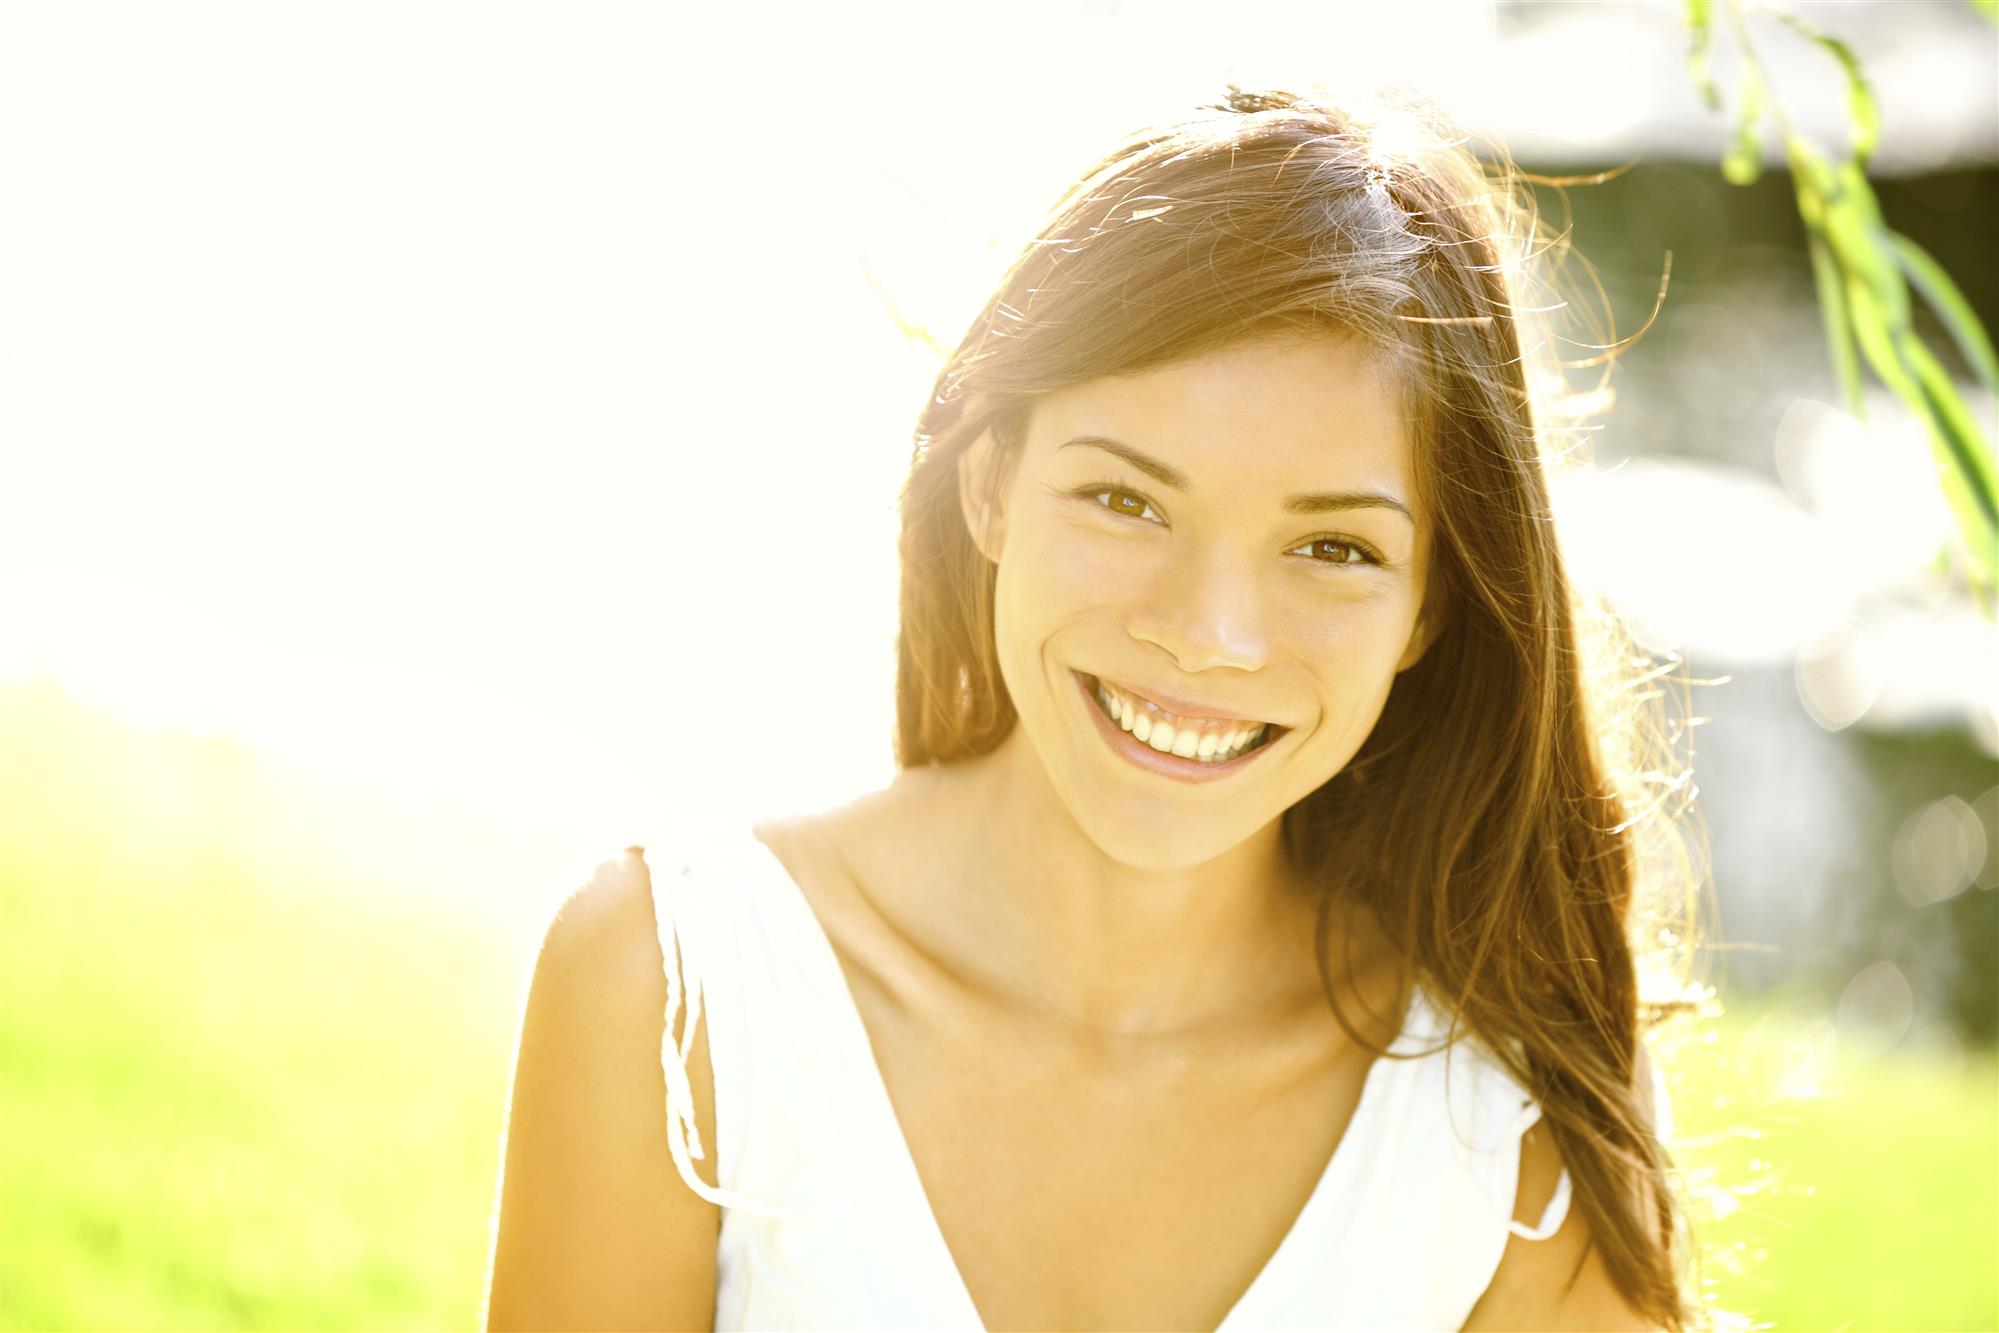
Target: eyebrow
{"points": [[1316, 502]]}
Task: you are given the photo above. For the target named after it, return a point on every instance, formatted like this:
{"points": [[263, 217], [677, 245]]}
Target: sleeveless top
{"points": [[824, 1218]]}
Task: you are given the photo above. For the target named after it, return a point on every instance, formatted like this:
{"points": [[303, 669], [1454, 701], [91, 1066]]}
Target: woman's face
{"points": [[1231, 540]]}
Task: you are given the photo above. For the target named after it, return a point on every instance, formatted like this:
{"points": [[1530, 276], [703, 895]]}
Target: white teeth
{"points": [[1238, 743], [1207, 746], [1114, 707]]}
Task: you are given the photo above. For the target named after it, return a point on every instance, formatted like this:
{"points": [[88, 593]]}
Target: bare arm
{"points": [[1559, 1283], [596, 1228], [1532, 1289]]}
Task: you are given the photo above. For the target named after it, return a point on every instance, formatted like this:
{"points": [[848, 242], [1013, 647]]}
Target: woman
{"points": [[1246, 939]]}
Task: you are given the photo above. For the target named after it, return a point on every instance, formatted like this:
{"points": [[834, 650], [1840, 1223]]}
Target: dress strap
{"points": [[1552, 1216], [1557, 1210], [687, 938]]}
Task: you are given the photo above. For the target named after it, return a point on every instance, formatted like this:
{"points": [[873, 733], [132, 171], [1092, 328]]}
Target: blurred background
{"points": [[443, 444]]}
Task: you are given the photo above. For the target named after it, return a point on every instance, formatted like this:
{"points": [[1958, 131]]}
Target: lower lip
{"points": [[1165, 764]]}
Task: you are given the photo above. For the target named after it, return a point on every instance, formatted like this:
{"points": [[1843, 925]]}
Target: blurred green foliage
{"points": [[234, 1094], [1834, 1190], [1865, 272]]}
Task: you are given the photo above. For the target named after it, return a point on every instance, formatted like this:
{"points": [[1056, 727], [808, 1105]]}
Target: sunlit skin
{"points": [[1137, 903], [1088, 988]]}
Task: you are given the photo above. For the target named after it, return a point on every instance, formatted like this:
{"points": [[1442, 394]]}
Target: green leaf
{"points": [[1943, 296], [1979, 551], [1964, 445], [1978, 544], [1744, 162], [1851, 182], [1878, 341], [1989, 8], [1859, 240], [1812, 181], [1700, 29], [1810, 165], [1860, 104], [1837, 318], [1964, 458]]}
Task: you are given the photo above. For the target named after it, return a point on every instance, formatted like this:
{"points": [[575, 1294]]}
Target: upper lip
{"points": [[1179, 707]]}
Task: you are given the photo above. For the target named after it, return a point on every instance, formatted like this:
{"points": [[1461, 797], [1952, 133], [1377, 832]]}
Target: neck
{"points": [[1111, 951]]}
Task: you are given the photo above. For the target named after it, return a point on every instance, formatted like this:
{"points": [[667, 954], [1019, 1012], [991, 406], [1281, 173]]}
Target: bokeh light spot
{"points": [[1938, 851], [1839, 675], [1986, 807], [1875, 1010]]}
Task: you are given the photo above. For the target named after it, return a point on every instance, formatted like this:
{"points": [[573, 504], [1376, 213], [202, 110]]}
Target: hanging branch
{"points": [[1864, 273]]}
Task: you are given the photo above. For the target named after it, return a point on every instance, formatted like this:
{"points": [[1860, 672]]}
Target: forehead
{"points": [[1278, 412]]}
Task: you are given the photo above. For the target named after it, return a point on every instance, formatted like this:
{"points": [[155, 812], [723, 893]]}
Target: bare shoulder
{"points": [[596, 1229], [1555, 1284]]}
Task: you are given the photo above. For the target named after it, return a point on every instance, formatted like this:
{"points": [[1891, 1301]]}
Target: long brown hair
{"points": [[1494, 820]]}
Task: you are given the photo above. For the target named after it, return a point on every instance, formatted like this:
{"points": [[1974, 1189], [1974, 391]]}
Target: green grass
{"points": [[1842, 1192], [218, 1118], [253, 1074], [248, 1078]]}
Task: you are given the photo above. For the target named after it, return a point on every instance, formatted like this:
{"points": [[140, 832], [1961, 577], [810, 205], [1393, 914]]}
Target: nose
{"points": [[1205, 610]]}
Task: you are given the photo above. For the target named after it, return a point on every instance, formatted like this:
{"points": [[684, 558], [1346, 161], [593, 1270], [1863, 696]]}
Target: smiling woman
{"points": [[1217, 611], [1250, 937]]}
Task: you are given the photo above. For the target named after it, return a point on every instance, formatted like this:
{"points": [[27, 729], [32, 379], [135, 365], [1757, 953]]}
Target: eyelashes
{"points": [[1367, 554], [1094, 491], [1361, 549]]}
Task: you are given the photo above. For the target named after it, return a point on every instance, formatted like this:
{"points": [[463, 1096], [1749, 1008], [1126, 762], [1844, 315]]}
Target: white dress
{"points": [[825, 1223]]}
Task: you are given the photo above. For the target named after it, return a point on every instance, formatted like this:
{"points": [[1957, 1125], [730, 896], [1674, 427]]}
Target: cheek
{"points": [[1056, 570], [1355, 645], [1038, 591], [1345, 625]]}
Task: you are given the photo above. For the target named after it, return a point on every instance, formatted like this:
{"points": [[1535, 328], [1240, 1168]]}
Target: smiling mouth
{"points": [[1201, 741]]}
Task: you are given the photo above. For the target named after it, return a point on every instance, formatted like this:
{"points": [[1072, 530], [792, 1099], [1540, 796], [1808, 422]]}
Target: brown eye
{"points": [[1336, 552], [1125, 504]]}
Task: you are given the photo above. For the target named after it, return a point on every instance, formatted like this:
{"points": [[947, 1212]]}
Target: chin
{"points": [[1162, 840]]}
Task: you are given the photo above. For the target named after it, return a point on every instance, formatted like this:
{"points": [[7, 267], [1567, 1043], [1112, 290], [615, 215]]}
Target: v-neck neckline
{"points": [[1339, 1164]]}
